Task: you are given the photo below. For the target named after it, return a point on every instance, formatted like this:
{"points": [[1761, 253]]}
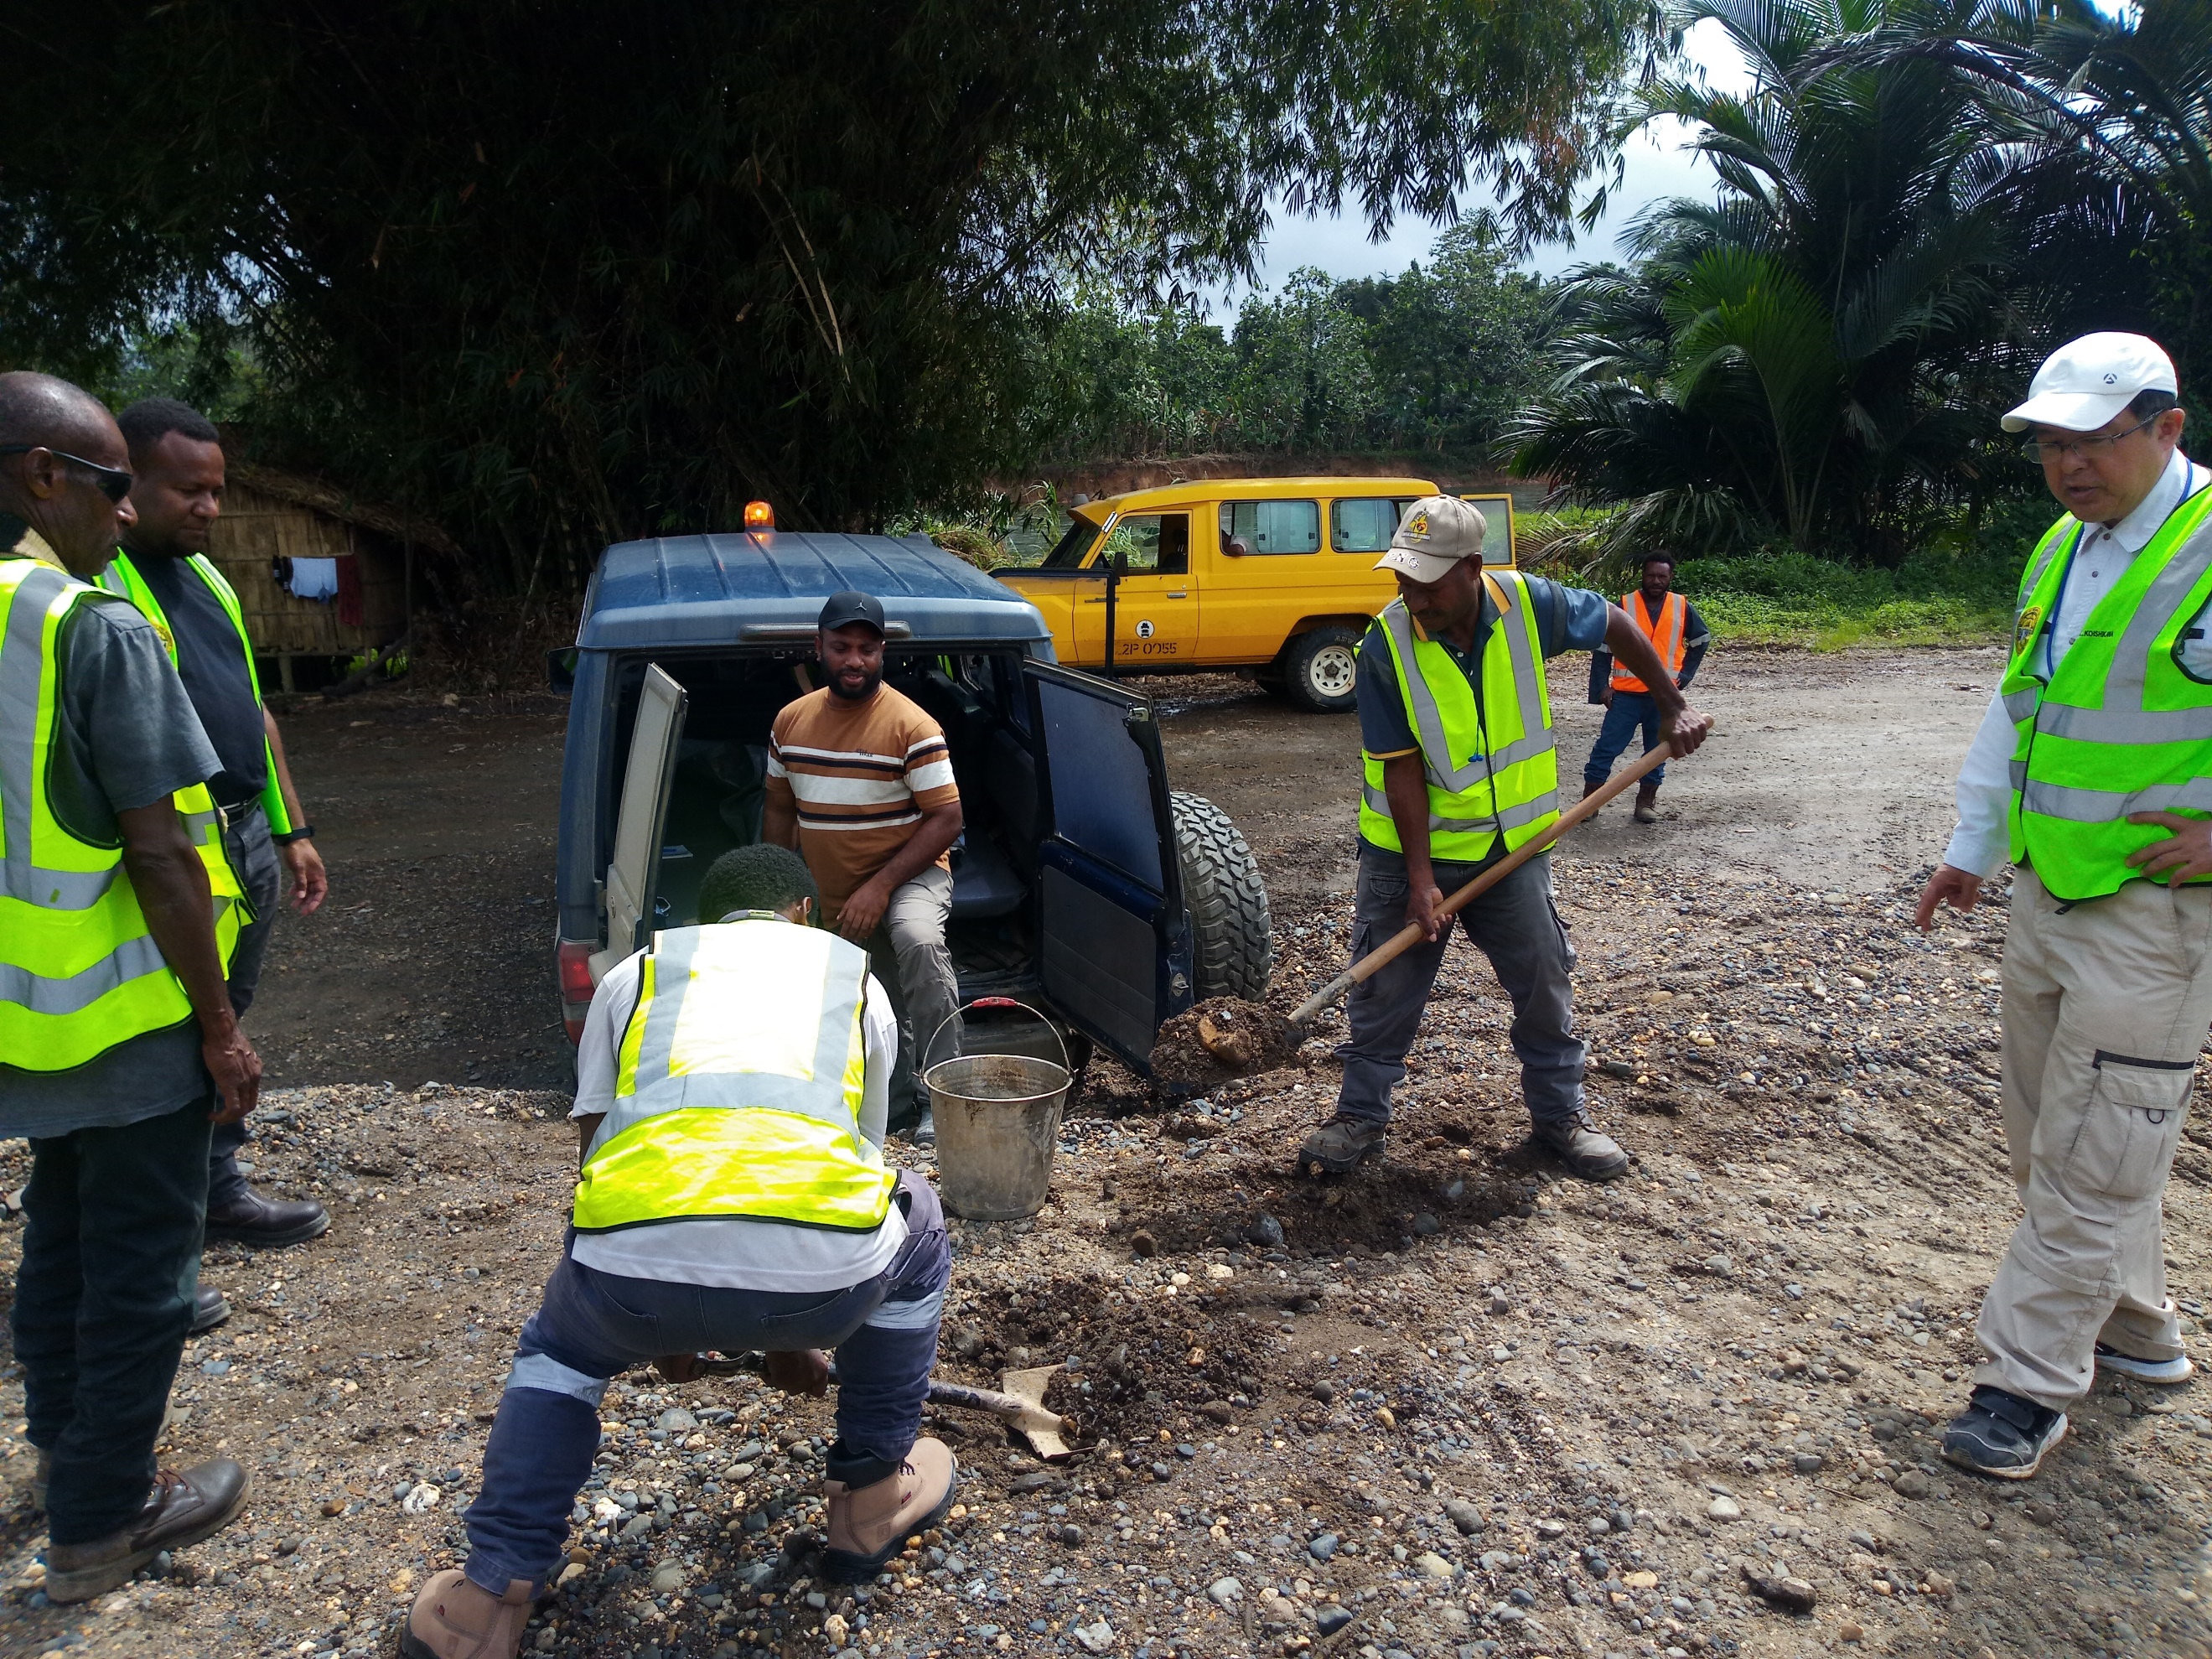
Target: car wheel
{"points": [[1321, 671], [1231, 948]]}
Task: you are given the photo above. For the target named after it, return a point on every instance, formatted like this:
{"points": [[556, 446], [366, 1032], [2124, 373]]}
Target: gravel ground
{"points": [[1454, 1405]]}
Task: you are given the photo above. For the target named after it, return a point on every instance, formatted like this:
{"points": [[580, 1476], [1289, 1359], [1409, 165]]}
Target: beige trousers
{"points": [[2106, 1004]]}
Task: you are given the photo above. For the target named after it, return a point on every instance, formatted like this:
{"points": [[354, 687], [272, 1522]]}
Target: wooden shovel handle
{"points": [[1408, 936]]}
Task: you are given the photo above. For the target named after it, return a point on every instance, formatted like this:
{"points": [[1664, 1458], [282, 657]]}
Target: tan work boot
{"points": [[1577, 1143], [181, 1510], [870, 1524], [456, 1618], [1647, 804]]}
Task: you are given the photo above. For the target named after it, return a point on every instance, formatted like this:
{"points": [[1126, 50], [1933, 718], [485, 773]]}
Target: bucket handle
{"points": [[1065, 1064]]}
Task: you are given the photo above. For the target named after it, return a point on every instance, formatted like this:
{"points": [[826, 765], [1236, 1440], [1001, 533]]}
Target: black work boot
{"points": [[1343, 1144], [267, 1223], [1576, 1142]]}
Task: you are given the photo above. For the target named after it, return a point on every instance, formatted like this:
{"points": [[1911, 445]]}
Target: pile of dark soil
{"points": [[1222, 1038]]}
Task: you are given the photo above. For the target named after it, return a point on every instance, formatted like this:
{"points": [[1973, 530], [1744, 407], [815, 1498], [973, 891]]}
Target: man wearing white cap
{"points": [[2093, 772], [1455, 724]]}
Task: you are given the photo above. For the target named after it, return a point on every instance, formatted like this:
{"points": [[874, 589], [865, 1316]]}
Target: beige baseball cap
{"points": [[1434, 534], [2087, 382]]}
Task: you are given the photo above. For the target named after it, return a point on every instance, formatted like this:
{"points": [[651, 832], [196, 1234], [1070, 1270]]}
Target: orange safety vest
{"points": [[1665, 635]]}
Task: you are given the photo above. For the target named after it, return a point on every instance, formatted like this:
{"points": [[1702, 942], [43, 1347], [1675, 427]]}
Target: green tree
{"points": [[563, 271], [1824, 348]]}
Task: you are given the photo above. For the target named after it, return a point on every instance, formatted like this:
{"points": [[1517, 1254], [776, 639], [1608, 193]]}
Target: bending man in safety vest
{"points": [[2092, 771], [119, 914], [731, 1086], [1455, 723], [1678, 634]]}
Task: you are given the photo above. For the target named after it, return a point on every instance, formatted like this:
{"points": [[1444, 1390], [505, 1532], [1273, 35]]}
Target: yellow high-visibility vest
{"points": [[79, 972], [1490, 772], [2121, 726], [738, 1086], [122, 577]]}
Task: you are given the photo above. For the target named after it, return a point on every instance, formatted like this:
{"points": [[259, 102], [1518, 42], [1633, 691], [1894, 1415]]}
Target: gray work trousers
{"points": [[907, 952], [253, 856], [1516, 925], [2107, 1004]]}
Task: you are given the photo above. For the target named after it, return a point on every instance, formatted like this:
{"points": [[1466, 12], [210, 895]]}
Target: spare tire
{"points": [[1232, 951]]}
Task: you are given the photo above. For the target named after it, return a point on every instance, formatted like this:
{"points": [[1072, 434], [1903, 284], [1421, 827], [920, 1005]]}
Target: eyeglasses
{"points": [[2057, 449], [112, 481]]}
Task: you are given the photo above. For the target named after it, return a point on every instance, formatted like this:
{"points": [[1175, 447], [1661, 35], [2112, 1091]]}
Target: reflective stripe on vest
{"points": [[1440, 706], [79, 972], [2120, 727], [1666, 635], [738, 1086], [122, 577]]}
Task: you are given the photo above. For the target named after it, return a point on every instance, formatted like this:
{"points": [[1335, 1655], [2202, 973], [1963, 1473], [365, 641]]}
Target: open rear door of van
{"points": [[634, 870], [1114, 959]]}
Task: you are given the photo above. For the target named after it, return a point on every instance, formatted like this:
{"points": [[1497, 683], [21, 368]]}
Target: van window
{"points": [[1365, 526], [1150, 543], [1068, 552], [1272, 527]]}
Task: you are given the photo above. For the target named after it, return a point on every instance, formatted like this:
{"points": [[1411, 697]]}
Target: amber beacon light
{"points": [[759, 515]]}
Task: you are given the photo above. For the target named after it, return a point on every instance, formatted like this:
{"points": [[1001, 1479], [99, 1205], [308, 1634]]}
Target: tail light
{"points": [[759, 515], [573, 965]]}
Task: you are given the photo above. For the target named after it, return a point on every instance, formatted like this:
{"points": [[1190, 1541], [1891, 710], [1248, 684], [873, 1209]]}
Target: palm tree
{"points": [[1823, 347]]}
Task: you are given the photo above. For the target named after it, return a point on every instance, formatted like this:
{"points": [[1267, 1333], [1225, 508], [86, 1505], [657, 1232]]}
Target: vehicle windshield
{"points": [[1067, 554]]}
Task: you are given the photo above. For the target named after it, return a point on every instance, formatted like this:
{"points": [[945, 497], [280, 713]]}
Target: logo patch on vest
{"points": [[2023, 631]]}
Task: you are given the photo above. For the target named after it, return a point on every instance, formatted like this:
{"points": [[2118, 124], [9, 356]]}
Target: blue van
{"points": [[1083, 884]]}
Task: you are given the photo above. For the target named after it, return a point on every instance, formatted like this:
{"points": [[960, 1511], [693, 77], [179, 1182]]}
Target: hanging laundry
{"points": [[315, 579], [349, 595]]}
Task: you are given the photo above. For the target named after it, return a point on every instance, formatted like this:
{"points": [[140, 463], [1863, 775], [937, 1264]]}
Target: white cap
{"points": [[1437, 532], [2087, 382]]}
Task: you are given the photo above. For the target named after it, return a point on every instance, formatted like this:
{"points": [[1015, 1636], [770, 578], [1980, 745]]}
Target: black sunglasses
{"points": [[112, 481]]}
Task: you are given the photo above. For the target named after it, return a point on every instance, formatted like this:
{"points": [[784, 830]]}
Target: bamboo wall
{"points": [[255, 528]]}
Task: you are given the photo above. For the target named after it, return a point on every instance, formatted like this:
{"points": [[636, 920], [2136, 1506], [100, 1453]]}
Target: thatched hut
{"points": [[272, 522]]}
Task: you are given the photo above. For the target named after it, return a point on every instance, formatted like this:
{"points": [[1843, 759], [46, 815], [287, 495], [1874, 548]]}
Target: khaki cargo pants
{"points": [[2107, 1004]]}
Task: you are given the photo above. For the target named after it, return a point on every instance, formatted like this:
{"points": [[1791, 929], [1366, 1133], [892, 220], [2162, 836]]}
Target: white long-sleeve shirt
{"points": [[1981, 840], [738, 1253]]}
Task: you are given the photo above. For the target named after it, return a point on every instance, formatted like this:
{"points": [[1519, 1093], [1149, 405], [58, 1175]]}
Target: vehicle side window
{"points": [[1068, 552], [1151, 544], [1365, 526], [1272, 527]]}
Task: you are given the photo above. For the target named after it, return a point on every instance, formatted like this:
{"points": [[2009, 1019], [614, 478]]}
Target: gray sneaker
{"points": [[1576, 1142], [1342, 1145], [924, 1131]]}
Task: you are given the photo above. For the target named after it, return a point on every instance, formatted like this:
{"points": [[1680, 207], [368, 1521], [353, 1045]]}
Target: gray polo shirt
{"points": [[127, 737]]}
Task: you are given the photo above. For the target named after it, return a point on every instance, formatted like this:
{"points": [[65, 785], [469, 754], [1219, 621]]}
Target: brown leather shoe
{"points": [[181, 1511], [870, 1524], [456, 1618], [1647, 804]]}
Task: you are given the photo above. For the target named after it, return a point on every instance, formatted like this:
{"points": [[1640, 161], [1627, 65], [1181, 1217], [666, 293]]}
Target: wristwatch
{"points": [[298, 832]]}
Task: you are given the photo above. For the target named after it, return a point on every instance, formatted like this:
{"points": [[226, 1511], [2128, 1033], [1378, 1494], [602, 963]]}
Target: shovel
{"points": [[1408, 936], [1020, 1406]]}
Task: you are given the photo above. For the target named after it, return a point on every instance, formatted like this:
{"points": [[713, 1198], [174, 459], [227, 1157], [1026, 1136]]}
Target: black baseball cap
{"points": [[851, 606]]}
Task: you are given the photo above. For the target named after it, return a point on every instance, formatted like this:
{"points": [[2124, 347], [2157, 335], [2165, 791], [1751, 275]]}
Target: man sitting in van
{"points": [[731, 1087], [861, 781]]}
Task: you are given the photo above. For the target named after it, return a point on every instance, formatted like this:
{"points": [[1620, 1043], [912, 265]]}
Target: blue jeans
{"points": [[593, 1326], [1515, 924], [1628, 711]]}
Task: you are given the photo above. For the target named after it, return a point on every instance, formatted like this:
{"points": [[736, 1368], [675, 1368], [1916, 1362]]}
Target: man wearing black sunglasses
{"points": [[118, 1047]]}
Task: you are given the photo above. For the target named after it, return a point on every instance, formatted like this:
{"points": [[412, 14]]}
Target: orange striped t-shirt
{"points": [[861, 775]]}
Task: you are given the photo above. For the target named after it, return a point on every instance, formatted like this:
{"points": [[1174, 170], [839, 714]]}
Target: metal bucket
{"points": [[998, 1126]]}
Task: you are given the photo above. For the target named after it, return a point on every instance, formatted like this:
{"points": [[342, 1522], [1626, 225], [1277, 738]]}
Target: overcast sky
{"points": [[1658, 167]]}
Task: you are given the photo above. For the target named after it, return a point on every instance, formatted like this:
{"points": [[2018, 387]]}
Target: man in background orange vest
{"points": [[1676, 632]]}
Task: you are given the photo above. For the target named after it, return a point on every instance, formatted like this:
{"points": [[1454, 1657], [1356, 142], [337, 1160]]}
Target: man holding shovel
{"points": [[1455, 724], [731, 1086]]}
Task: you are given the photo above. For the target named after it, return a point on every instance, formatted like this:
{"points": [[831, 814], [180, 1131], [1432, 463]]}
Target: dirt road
{"points": [[1453, 1406]]}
